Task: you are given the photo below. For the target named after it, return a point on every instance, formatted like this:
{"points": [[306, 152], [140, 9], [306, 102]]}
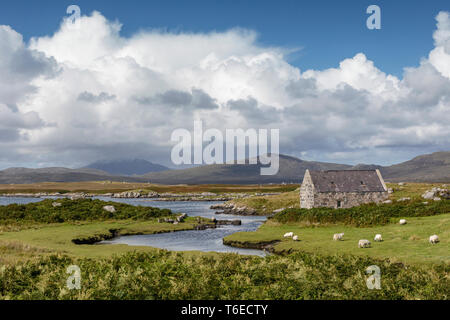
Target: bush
{"points": [[75, 210], [365, 215], [168, 275]]}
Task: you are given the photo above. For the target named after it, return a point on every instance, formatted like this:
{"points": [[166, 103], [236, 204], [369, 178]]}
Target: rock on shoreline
{"points": [[229, 208]]}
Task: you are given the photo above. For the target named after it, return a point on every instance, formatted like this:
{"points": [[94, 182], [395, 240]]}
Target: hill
{"points": [[25, 175], [126, 167], [291, 169], [433, 167]]}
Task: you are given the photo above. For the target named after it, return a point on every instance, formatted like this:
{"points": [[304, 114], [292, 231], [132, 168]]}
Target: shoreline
{"points": [[134, 195]]}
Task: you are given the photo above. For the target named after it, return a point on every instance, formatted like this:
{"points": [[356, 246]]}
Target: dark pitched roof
{"points": [[347, 181]]}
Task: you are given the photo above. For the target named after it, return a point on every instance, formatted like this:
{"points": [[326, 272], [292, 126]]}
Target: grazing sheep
{"points": [[295, 238], [378, 238], [364, 244], [338, 237], [289, 235], [403, 221], [434, 239]]}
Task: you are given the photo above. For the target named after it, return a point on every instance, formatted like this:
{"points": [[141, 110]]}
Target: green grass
{"points": [[411, 190], [265, 205], [36, 248], [406, 243], [57, 238], [40, 229]]}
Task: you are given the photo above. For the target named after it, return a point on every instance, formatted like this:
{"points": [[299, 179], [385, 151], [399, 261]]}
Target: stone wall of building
{"points": [[307, 192], [347, 199]]}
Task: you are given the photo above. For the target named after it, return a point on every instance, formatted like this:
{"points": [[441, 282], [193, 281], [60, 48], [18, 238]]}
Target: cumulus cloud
{"points": [[87, 93]]}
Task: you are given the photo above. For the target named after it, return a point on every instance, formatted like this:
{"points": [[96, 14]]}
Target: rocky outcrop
{"points": [[437, 194], [230, 208], [228, 222], [135, 194], [260, 245], [204, 226]]}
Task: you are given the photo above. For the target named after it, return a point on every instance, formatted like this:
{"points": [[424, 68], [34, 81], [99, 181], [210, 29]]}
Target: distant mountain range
{"points": [[126, 167], [291, 170], [25, 175], [426, 168]]}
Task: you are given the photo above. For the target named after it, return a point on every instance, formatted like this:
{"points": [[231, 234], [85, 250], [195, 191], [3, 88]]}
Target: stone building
{"points": [[341, 188]]}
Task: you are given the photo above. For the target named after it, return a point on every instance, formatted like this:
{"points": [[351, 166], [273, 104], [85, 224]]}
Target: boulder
{"points": [[109, 209], [428, 195], [435, 193]]}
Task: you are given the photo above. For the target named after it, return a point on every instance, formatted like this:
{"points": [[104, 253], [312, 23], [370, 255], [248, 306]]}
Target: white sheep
{"points": [[434, 239], [338, 236], [402, 221], [378, 238], [364, 244], [289, 235], [295, 238]]}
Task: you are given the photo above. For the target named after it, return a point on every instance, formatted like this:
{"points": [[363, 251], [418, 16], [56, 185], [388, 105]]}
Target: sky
{"points": [[134, 71]]}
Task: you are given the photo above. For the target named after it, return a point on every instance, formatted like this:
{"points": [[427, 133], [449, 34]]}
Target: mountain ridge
{"points": [[433, 167], [127, 167]]}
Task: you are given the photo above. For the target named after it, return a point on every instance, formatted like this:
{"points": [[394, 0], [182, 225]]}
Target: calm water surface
{"points": [[204, 240]]}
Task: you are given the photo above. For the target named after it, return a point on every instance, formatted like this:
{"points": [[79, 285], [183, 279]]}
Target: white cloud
{"points": [[88, 93]]}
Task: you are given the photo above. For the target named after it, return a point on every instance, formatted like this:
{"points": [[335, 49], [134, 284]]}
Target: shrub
{"points": [[75, 210], [364, 215], [168, 275]]}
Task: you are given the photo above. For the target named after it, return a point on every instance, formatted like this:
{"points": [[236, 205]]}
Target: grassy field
{"points": [[38, 229], [265, 205], [316, 227], [402, 243], [101, 187], [36, 247], [57, 238]]}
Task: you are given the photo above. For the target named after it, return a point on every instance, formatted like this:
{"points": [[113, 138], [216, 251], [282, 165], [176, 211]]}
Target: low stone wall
{"points": [[347, 199]]}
